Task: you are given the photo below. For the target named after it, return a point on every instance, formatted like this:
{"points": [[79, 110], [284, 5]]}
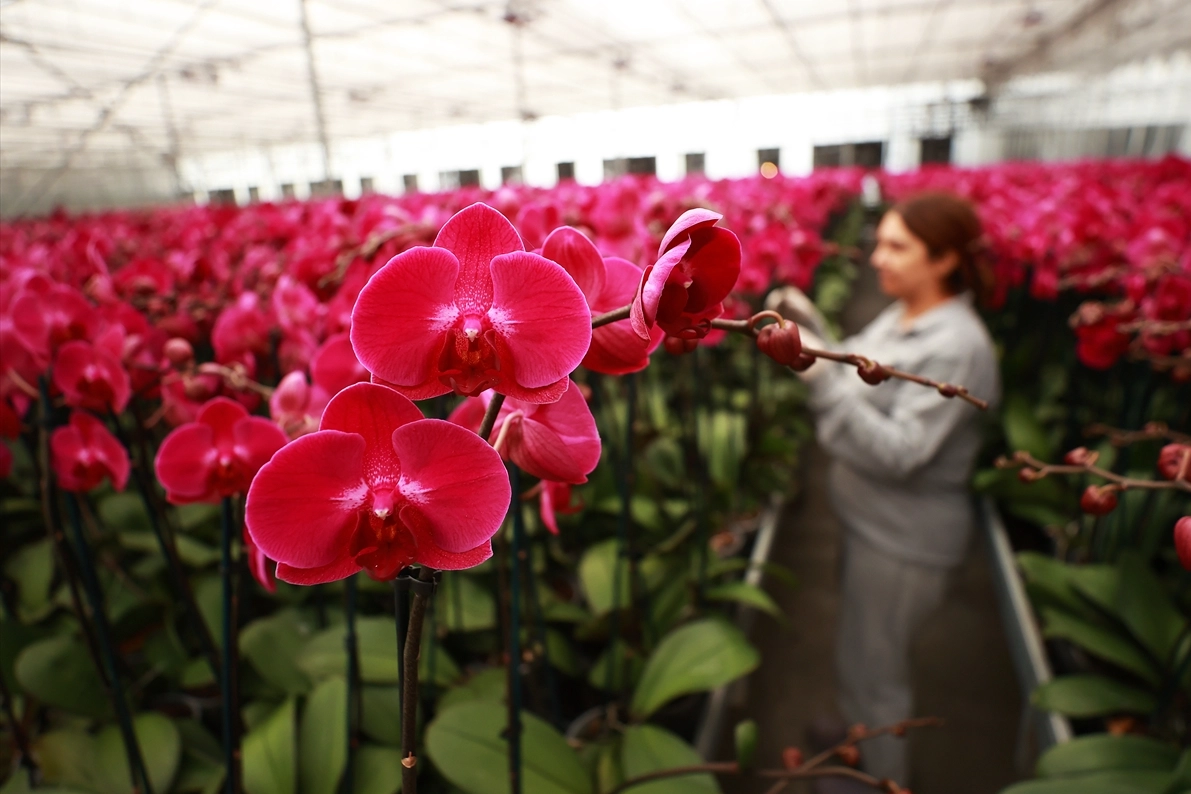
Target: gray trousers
{"points": [[884, 602]]}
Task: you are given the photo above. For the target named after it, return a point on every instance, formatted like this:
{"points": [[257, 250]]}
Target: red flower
{"points": [[377, 488], [10, 427], [684, 290], [1174, 462], [557, 441], [83, 452], [608, 283], [43, 320], [556, 498], [92, 378], [216, 455], [1182, 540], [471, 313], [263, 569]]}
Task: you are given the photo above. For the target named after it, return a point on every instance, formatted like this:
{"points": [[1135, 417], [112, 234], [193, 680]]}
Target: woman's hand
{"points": [[793, 304]]}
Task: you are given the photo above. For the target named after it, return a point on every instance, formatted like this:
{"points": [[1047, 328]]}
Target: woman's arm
{"points": [[896, 444]]}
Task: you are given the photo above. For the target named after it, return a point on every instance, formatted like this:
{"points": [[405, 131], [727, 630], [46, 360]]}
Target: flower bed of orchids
{"points": [[362, 399]]}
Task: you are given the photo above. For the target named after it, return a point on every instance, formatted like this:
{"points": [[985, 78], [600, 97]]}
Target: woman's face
{"points": [[904, 266]]}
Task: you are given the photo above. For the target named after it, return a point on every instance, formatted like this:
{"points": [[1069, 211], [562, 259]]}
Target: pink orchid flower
{"points": [[377, 488], [555, 498], [83, 452], [473, 312], [557, 441], [216, 455], [91, 377], [608, 283], [684, 290]]}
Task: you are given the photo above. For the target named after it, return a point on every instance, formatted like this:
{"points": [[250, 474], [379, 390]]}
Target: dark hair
{"points": [[945, 222]]}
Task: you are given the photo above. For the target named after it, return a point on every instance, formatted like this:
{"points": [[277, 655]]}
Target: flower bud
{"points": [[1098, 500], [803, 362], [781, 342], [791, 758], [676, 346], [948, 390], [178, 352], [1029, 475], [1174, 462], [849, 755], [872, 373], [1182, 540], [1081, 456]]}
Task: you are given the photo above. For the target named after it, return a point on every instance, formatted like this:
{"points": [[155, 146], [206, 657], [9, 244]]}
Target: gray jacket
{"points": [[903, 454]]}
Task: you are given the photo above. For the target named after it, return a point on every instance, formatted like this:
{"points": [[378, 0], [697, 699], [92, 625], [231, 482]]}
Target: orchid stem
{"points": [[409, 681], [20, 738], [103, 633], [613, 316], [353, 684], [490, 416], [229, 681], [514, 671]]}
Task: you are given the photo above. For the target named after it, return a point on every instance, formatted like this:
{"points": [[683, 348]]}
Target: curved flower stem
{"points": [[613, 316], [103, 633], [748, 328], [490, 416], [229, 681], [514, 668], [353, 683], [423, 586], [1024, 460]]}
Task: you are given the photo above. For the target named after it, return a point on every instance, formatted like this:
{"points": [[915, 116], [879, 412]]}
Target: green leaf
{"points": [[465, 744], [1105, 643], [463, 604], [32, 568], [598, 573], [377, 770], [1145, 607], [124, 512], [268, 752], [376, 639], [487, 685], [1023, 430], [161, 750], [1088, 695], [271, 644], [380, 714], [67, 758], [626, 666], [696, 657], [747, 594], [58, 671], [1099, 752], [648, 748], [322, 738], [562, 653], [1181, 783], [1136, 782]]}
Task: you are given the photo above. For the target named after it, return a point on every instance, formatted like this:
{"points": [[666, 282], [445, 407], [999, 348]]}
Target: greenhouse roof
{"points": [[91, 83]]}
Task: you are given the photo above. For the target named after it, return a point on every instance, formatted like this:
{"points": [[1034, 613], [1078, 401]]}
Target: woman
{"points": [[902, 454]]}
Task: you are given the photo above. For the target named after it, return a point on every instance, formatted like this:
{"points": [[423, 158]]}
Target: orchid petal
{"points": [[577, 255], [402, 314], [372, 412], [455, 480], [475, 235], [687, 223], [178, 463], [644, 312], [321, 574], [541, 315], [303, 504]]}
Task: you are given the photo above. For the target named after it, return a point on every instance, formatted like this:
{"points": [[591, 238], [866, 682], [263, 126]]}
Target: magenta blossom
{"points": [[555, 498], [608, 283], [83, 452], [377, 488], [473, 312], [684, 290], [556, 441], [216, 455], [91, 377]]}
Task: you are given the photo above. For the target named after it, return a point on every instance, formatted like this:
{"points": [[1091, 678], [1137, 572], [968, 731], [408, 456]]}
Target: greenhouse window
{"points": [[254, 194], [614, 168], [366, 185], [769, 156], [223, 196], [510, 175], [287, 190], [410, 183], [934, 150], [694, 163], [642, 165], [327, 187], [868, 154]]}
